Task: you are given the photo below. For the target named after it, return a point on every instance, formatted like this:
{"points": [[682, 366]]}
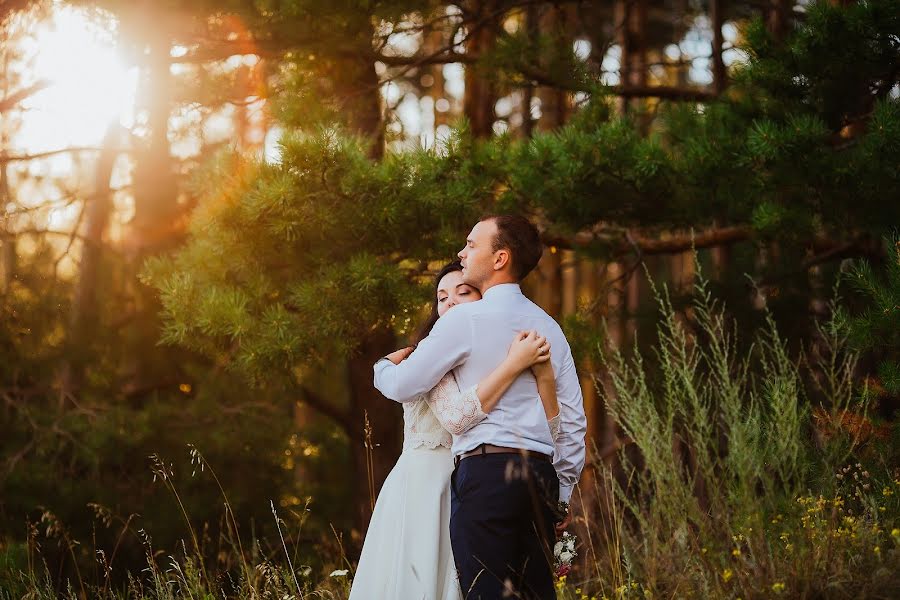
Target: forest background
{"points": [[215, 216]]}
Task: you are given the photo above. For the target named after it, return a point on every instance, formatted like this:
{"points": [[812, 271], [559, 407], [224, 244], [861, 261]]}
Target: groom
{"points": [[507, 479]]}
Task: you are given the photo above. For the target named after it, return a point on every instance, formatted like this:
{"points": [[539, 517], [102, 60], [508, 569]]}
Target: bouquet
{"points": [[564, 553]]}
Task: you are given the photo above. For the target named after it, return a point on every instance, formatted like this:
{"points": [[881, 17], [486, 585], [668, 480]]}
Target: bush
{"points": [[746, 473]]}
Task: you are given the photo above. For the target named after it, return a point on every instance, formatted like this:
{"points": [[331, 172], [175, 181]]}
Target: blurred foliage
{"points": [[289, 269], [876, 328]]}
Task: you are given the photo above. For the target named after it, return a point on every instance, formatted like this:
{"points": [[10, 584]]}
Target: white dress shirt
{"points": [[472, 339]]}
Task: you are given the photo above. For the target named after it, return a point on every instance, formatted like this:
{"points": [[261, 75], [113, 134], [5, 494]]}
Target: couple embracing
{"points": [[493, 444]]}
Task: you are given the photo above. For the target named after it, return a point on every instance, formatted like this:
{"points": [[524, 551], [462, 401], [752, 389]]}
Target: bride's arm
{"points": [[527, 349], [546, 384], [458, 411]]}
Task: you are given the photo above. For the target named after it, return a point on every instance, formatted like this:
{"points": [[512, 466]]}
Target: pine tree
{"points": [[311, 262]]}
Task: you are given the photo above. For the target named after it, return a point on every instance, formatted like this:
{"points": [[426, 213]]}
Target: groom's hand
{"points": [[562, 525]]}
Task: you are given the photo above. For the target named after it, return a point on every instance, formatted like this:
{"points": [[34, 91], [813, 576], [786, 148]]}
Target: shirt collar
{"points": [[503, 290]]}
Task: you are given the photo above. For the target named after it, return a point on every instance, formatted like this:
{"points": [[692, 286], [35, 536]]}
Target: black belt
{"points": [[485, 449]]}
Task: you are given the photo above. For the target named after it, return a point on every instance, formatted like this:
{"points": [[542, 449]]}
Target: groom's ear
{"points": [[501, 259]]}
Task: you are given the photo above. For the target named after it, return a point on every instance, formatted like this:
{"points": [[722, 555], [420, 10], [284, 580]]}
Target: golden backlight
{"points": [[75, 51]]}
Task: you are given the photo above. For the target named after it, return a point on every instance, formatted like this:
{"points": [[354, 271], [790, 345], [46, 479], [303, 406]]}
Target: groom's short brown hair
{"points": [[518, 235]]}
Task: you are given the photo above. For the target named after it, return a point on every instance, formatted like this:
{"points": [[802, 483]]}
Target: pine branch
{"points": [[442, 57], [664, 92], [336, 414], [8, 158], [13, 99], [720, 236]]}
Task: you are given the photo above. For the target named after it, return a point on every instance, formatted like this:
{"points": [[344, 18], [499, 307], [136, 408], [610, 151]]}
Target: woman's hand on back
{"points": [[528, 348], [399, 356]]}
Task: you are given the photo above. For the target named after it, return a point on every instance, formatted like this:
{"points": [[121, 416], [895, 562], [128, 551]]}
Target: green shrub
{"points": [[746, 473]]}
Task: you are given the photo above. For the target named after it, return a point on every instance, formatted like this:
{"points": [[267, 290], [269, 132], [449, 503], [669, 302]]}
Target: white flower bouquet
{"points": [[564, 553]]}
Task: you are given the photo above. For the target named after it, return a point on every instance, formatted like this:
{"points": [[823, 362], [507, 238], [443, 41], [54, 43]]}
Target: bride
{"points": [[406, 553]]}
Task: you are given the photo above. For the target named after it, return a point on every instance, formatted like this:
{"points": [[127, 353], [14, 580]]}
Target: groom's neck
{"points": [[497, 279]]}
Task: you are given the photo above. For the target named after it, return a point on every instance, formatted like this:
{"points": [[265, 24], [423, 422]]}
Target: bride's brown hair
{"points": [[433, 317]]}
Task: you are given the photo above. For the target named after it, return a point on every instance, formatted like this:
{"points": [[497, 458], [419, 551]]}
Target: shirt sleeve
{"points": [[569, 442], [446, 347]]}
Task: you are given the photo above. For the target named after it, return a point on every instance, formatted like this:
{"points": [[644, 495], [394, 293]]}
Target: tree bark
{"points": [[719, 73], [778, 19], [157, 224], [155, 190], [631, 21], [7, 239], [554, 101], [376, 452], [84, 315], [480, 95], [362, 98]]}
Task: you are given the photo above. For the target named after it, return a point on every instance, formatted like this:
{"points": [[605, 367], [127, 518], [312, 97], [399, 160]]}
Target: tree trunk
{"points": [[84, 316], [718, 64], [532, 28], [362, 96], [376, 452], [631, 21], [7, 239], [480, 95], [155, 191], [547, 283], [778, 19], [554, 102], [156, 225]]}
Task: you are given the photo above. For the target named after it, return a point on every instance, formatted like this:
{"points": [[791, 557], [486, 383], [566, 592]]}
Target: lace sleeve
{"points": [[458, 411], [555, 426]]}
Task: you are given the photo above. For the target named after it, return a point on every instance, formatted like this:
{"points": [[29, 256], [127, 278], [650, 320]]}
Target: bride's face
{"points": [[452, 291]]}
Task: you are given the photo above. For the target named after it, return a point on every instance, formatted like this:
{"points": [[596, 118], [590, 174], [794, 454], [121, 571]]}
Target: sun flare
{"points": [[89, 85]]}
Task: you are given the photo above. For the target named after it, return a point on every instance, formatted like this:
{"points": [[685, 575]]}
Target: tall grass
{"points": [[729, 487], [194, 570]]}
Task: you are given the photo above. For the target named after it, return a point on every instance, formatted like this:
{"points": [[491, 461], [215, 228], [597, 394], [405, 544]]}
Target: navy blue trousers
{"points": [[502, 526]]}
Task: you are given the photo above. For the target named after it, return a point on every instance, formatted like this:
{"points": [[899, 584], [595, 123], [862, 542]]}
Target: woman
{"points": [[407, 551]]}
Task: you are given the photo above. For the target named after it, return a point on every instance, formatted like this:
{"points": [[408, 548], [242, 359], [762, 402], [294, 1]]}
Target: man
{"points": [[507, 481]]}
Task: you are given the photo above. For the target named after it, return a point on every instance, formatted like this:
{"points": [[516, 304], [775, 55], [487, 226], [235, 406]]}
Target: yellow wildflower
{"points": [[778, 587], [727, 575], [736, 552]]}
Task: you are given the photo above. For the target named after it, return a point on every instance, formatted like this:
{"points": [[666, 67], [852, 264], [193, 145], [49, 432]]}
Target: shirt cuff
{"points": [[565, 492]]}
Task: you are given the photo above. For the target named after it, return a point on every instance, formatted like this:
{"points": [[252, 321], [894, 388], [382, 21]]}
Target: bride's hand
{"points": [[400, 355], [528, 348], [543, 370]]}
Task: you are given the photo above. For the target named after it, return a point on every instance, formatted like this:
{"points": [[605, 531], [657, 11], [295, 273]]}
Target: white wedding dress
{"points": [[407, 554]]}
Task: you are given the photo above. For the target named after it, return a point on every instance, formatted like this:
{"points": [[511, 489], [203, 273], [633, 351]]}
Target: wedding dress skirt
{"points": [[407, 554]]}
